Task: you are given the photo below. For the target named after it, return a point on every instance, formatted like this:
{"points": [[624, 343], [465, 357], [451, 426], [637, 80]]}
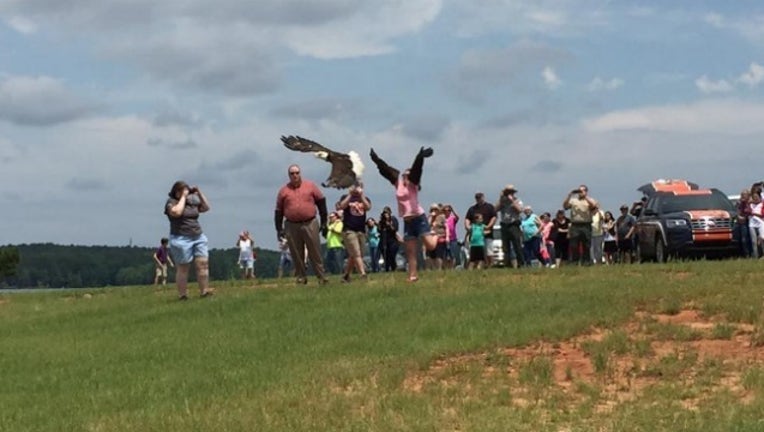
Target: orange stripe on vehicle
{"points": [[701, 236], [693, 192], [714, 214], [672, 186]]}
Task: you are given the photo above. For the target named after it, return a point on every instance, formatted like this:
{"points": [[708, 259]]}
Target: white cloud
{"points": [[22, 25], [551, 79], [530, 18], [750, 26], [714, 19], [371, 31], [726, 116], [753, 76], [232, 47], [599, 84], [40, 101], [705, 85], [481, 70]]}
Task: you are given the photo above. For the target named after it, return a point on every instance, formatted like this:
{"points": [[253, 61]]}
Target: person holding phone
{"points": [[581, 207], [187, 241]]}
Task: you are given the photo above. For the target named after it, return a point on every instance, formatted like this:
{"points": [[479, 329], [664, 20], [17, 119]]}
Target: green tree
{"points": [[9, 261]]}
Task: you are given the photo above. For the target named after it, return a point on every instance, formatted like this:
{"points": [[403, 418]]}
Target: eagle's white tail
{"points": [[357, 164]]}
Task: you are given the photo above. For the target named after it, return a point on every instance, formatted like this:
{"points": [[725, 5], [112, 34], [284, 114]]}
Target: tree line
{"points": [[47, 265]]}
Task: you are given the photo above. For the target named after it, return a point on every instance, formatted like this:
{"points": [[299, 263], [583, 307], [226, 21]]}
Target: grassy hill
{"points": [[636, 348]]}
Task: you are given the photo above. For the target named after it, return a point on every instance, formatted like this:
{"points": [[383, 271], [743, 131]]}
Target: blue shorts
{"points": [[415, 227], [247, 263], [185, 248], [452, 252]]}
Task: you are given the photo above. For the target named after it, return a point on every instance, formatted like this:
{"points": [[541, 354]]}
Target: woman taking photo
{"points": [[187, 241], [389, 238]]}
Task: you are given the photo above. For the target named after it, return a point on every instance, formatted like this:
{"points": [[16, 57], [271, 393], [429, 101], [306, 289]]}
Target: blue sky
{"points": [[105, 103]]}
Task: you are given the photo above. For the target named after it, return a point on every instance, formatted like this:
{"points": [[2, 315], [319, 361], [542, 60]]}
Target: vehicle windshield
{"points": [[680, 203]]}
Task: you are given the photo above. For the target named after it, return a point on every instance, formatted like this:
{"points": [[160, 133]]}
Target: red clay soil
{"points": [[626, 374]]}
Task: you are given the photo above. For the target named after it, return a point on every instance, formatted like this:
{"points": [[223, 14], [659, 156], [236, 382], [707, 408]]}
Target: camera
{"points": [[576, 191]]}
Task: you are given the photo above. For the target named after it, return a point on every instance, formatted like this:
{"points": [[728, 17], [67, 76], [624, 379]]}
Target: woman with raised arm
{"points": [[187, 241], [407, 186]]}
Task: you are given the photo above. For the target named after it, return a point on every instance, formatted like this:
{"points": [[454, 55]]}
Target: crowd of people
{"points": [[750, 213], [579, 233]]}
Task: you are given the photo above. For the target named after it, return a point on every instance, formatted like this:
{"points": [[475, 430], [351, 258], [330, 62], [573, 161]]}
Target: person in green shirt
{"points": [[334, 245]]}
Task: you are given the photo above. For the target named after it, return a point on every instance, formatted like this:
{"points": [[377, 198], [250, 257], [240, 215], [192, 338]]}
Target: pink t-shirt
{"points": [[408, 200], [451, 226]]}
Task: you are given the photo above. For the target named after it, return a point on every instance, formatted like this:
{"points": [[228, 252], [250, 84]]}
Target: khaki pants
{"points": [[303, 236], [580, 235]]}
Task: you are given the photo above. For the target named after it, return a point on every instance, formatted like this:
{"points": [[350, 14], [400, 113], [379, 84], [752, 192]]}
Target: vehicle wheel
{"points": [[660, 250]]}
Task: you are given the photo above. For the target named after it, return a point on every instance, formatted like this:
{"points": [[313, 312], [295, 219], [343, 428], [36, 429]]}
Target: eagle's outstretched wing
{"points": [[298, 143], [345, 169]]}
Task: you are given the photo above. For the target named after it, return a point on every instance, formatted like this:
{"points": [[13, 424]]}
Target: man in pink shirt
{"points": [[297, 202]]}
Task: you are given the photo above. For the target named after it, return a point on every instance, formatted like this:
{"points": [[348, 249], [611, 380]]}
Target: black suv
{"points": [[686, 223]]}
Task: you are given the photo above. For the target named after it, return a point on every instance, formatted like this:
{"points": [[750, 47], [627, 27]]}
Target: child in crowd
{"points": [[477, 242]]}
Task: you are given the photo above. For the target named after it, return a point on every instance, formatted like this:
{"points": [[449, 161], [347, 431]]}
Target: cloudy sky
{"points": [[105, 103]]}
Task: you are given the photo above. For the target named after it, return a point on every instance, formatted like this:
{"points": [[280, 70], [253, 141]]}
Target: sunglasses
{"points": [[293, 172]]}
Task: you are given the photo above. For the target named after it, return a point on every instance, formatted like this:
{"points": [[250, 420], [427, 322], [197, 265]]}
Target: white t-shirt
{"points": [[597, 218], [757, 221], [245, 250]]}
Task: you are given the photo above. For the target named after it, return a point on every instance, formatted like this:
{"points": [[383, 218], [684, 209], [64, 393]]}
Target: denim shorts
{"points": [[415, 227], [185, 248]]}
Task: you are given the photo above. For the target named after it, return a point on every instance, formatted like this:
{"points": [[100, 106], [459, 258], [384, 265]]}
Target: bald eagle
{"points": [[347, 169]]}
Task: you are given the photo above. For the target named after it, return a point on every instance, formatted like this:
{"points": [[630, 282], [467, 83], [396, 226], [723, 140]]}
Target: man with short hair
{"points": [[625, 226], [581, 207], [354, 206], [510, 209], [297, 202], [489, 219]]}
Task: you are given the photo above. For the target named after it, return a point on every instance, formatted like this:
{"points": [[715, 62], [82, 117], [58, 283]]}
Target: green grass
{"points": [[342, 357]]}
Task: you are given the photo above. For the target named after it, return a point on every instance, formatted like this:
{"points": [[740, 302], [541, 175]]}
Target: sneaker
{"points": [[183, 297], [301, 281], [323, 281], [345, 278], [207, 293]]}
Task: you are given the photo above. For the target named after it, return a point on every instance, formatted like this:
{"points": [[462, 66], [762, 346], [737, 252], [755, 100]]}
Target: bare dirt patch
{"points": [[616, 365]]}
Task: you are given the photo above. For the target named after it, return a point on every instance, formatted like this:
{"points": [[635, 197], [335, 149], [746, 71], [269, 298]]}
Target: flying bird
{"points": [[347, 168]]}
